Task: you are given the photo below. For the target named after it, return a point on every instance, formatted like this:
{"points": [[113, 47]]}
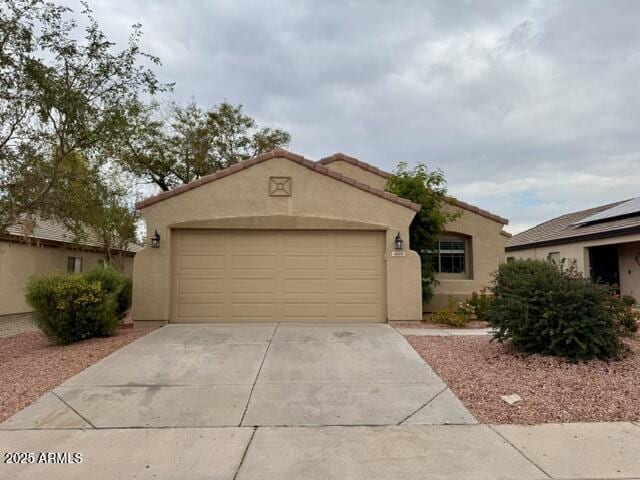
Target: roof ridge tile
{"points": [[276, 153]]}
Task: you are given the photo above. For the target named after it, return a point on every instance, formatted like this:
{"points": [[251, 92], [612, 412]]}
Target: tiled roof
{"points": [[370, 168], [354, 161], [563, 229], [52, 231], [474, 209], [318, 166], [277, 153]]}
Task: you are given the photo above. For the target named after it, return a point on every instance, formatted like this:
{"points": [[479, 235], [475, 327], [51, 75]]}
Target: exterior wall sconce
{"points": [[399, 242], [155, 240], [399, 246]]}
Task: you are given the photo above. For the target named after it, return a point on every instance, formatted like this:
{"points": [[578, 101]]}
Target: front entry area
{"points": [[604, 265], [278, 276]]}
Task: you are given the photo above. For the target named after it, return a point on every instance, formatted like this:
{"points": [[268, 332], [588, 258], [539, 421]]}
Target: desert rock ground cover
{"points": [[31, 366], [479, 371]]}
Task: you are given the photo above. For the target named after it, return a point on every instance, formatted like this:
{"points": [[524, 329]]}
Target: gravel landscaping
{"points": [[31, 366], [553, 390]]}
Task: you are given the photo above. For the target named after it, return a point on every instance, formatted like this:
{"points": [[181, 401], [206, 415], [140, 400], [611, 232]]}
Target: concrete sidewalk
{"points": [[443, 332], [460, 452]]}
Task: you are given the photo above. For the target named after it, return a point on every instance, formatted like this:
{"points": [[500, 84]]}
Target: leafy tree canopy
{"points": [[64, 95], [80, 123], [426, 188], [190, 142]]}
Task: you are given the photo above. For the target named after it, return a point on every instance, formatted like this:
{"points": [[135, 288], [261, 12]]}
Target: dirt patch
{"points": [[11, 325], [31, 366], [553, 390]]}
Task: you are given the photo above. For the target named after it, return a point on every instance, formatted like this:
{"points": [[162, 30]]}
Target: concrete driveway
{"points": [[252, 375], [254, 402]]}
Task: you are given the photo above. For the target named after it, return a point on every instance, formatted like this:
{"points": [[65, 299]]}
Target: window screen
{"points": [[74, 264], [450, 257], [554, 257]]}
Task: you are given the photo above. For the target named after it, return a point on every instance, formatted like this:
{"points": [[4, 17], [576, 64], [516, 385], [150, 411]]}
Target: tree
{"points": [[426, 188], [190, 142], [61, 99], [100, 210]]}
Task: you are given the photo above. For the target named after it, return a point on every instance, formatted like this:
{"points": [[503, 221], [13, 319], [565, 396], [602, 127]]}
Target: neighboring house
{"points": [[40, 248], [282, 238], [604, 243]]}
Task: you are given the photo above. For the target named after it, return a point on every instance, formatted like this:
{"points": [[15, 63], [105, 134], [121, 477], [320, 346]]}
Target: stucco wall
{"points": [[241, 200], [629, 248], [357, 173], [19, 261], [630, 270], [487, 253], [486, 244]]}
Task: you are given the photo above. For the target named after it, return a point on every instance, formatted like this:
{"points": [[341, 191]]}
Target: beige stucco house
{"points": [[603, 242], [40, 248], [283, 238]]}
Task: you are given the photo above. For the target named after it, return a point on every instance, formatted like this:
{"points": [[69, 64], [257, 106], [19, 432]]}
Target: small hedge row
{"points": [[73, 307], [542, 308]]}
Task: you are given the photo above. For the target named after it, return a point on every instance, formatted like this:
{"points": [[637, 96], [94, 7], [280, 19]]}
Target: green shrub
{"points": [[626, 318], [543, 309], [115, 283], [481, 304], [68, 308], [125, 297], [455, 314]]}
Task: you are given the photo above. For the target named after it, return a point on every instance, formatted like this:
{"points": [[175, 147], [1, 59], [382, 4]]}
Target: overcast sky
{"points": [[531, 109]]}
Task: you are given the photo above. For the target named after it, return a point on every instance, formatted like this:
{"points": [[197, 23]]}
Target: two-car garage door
{"points": [[278, 275]]}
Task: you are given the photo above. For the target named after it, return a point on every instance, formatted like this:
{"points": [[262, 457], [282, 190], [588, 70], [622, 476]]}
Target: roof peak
{"points": [[354, 161], [277, 153]]}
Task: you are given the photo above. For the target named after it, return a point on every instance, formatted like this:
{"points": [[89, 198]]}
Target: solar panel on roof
{"points": [[625, 208]]}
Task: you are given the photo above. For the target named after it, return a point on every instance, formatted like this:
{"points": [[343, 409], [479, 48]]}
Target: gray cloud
{"points": [[530, 108]]}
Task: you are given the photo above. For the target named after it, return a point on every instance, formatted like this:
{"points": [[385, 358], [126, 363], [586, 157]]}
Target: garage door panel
{"points": [[200, 241], [204, 310], [253, 311], [303, 241], [254, 240], [359, 240], [350, 286], [232, 275], [304, 311], [253, 285], [187, 286], [356, 263], [356, 311], [306, 262], [253, 262], [198, 263], [314, 286]]}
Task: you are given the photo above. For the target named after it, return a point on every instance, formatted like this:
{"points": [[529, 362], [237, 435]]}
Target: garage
{"points": [[278, 275], [278, 238]]}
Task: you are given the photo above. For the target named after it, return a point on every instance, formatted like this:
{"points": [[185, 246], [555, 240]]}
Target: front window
{"points": [[554, 257], [450, 256], [74, 264]]}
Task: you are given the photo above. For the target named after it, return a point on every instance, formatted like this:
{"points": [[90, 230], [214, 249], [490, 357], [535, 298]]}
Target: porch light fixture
{"points": [[155, 240], [398, 243]]}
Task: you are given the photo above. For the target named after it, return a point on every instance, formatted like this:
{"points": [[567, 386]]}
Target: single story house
{"points": [[39, 247], [282, 238], [603, 242]]}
